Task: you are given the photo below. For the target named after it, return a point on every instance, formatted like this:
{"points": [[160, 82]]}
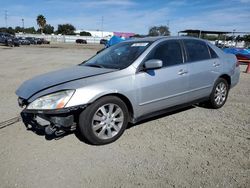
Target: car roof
{"points": [[153, 39]]}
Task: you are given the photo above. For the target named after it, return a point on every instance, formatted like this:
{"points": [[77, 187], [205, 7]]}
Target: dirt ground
{"points": [[194, 147]]}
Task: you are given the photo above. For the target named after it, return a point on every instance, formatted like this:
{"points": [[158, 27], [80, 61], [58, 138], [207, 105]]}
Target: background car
{"points": [[38, 41], [103, 41], [9, 40], [44, 41], [81, 41], [16, 41], [31, 40], [23, 41], [34, 40]]}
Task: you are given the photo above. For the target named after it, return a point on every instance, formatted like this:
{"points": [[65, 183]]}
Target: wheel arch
{"points": [[227, 78], [125, 100]]}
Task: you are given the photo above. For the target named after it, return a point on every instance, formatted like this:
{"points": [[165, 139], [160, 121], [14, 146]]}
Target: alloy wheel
{"points": [[107, 121], [220, 93]]}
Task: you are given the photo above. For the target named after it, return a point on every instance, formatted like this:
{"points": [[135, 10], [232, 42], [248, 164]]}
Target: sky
{"points": [[135, 16]]}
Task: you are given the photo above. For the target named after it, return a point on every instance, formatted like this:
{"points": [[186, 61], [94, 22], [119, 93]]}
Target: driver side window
{"points": [[169, 52]]}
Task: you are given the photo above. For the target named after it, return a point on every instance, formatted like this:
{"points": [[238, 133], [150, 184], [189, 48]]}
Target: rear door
{"points": [[203, 66], [164, 87]]}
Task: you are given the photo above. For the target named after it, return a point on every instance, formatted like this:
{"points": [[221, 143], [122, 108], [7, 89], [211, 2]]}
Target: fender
{"points": [[86, 96]]}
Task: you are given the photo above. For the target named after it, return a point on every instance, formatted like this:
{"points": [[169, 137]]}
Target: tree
{"points": [[228, 38], [9, 30], [191, 35], [41, 22], [138, 36], [18, 29], [84, 33], [48, 29], [159, 31], [30, 30], [239, 38], [66, 29], [210, 37], [246, 38]]}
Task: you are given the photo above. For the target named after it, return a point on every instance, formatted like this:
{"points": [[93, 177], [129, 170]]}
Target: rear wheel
{"points": [[104, 121], [219, 94]]}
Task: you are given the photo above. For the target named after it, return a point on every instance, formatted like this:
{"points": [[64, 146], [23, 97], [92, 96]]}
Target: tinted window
{"points": [[212, 53], [196, 50], [169, 52]]}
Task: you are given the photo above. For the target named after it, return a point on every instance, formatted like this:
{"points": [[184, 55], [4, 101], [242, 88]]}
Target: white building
{"points": [[97, 33]]}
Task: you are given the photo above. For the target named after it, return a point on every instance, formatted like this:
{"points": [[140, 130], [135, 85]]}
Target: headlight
{"points": [[53, 101]]}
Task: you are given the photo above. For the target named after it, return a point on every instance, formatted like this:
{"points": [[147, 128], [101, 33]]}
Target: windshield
{"points": [[118, 56]]}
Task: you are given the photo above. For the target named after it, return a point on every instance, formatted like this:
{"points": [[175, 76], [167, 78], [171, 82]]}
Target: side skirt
{"points": [[167, 110]]}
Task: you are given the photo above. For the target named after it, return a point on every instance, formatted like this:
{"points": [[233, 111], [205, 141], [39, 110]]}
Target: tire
{"points": [[219, 94], [104, 121], [10, 44]]}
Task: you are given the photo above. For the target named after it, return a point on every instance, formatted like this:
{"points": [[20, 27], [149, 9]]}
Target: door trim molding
{"points": [[175, 95]]}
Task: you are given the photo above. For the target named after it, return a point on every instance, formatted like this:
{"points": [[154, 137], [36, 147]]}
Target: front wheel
{"points": [[104, 121], [219, 94], [9, 43]]}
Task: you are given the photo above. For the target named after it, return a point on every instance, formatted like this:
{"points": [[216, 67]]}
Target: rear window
{"points": [[196, 50]]}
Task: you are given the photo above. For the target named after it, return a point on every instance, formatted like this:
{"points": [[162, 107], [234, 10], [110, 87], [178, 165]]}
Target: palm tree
{"points": [[41, 22]]}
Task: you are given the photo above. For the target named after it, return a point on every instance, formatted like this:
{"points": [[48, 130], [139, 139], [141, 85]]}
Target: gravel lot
{"points": [[194, 147]]}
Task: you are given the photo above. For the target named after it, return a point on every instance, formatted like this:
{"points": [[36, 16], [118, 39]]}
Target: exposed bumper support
{"points": [[52, 121]]}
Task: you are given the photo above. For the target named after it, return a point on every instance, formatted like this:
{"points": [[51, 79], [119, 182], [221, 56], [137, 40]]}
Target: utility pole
{"points": [[102, 26], [23, 24], [6, 18], [234, 32], [168, 25]]}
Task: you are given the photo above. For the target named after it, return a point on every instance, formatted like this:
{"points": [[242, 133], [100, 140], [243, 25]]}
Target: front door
{"points": [[165, 87]]}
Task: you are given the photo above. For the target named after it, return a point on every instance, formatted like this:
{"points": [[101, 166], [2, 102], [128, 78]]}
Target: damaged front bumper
{"points": [[55, 122]]}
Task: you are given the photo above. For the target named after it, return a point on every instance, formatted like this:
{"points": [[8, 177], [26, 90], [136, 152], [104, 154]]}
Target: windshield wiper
{"points": [[100, 66], [82, 63]]}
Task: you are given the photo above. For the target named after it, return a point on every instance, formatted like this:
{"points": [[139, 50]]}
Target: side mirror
{"points": [[153, 64]]}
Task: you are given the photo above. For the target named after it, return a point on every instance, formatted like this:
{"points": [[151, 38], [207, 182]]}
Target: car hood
{"points": [[51, 79]]}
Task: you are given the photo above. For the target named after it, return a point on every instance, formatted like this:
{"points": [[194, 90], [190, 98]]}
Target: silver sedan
{"points": [[128, 82]]}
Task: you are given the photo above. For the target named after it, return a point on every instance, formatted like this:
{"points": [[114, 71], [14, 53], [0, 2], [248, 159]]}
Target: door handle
{"points": [[181, 72], [216, 64]]}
